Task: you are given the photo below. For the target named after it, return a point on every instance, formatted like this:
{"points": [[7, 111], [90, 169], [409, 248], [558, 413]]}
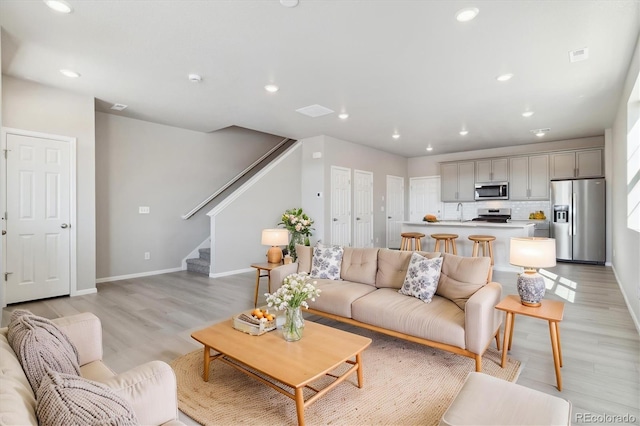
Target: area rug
{"points": [[405, 383]]}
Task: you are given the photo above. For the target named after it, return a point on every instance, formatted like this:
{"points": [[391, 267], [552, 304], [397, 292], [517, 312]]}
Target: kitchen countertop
{"points": [[472, 224]]}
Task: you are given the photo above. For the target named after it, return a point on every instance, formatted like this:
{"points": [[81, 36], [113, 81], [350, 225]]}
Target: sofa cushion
{"points": [[392, 266], [17, 399], [360, 265], [326, 262], [304, 253], [337, 296], [462, 276], [40, 345], [438, 321], [66, 399], [422, 277]]}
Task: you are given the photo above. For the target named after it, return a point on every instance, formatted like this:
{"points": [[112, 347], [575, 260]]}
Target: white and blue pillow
{"points": [[326, 262], [422, 277]]}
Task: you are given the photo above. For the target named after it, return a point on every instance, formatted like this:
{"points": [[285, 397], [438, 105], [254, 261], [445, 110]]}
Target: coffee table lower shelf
{"points": [[294, 365]]}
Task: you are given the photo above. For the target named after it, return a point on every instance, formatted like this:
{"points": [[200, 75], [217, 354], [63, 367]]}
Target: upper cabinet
{"points": [[457, 181], [529, 178], [577, 164], [492, 170]]}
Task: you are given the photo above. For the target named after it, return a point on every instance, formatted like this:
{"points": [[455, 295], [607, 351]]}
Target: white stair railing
{"points": [[232, 181]]}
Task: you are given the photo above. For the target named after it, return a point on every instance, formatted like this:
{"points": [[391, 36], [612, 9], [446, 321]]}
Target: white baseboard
{"points": [[227, 273], [141, 274], [626, 300], [84, 292]]}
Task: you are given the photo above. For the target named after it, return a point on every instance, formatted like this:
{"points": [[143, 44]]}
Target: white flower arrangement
{"points": [[293, 293]]}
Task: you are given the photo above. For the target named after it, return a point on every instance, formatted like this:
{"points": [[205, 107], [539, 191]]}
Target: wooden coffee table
{"points": [[294, 364]]}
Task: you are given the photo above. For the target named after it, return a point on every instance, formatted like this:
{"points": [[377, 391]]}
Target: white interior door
{"points": [[417, 198], [340, 206], [395, 210], [38, 206], [433, 205], [362, 209]]}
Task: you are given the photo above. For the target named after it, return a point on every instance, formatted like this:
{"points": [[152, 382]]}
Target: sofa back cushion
{"points": [[360, 265], [305, 254], [461, 277], [393, 265], [17, 399], [40, 345]]}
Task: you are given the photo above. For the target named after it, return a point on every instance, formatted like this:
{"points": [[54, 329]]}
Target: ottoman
{"points": [[486, 400]]}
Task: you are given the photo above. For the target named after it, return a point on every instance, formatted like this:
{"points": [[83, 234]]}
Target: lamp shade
{"points": [[532, 252], [275, 237]]}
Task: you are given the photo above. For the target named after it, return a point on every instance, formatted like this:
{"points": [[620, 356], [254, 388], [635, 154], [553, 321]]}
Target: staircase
{"points": [[201, 264]]}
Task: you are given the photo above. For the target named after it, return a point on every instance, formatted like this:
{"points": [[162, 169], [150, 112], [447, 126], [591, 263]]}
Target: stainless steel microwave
{"points": [[492, 191]]}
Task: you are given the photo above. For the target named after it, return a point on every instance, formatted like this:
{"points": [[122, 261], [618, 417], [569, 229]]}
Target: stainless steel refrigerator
{"points": [[578, 222]]}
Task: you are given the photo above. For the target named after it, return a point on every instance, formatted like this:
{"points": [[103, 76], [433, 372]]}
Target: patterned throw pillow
{"points": [[65, 399], [326, 262], [40, 345], [422, 277]]}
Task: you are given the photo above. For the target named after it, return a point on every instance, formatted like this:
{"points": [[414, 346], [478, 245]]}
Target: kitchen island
{"points": [[502, 231]]}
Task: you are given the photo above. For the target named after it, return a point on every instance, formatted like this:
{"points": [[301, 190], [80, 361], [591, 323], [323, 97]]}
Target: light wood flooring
{"points": [[152, 318]]}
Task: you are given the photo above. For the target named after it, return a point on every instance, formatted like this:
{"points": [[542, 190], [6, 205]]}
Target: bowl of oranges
{"points": [[255, 322]]}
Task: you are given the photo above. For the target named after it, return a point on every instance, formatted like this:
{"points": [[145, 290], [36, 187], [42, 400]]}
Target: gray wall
{"points": [[32, 106], [170, 170], [237, 228], [336, 152], [626, 242]]}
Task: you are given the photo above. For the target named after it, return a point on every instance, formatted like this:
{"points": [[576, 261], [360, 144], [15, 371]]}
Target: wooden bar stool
{"points": [[449, 239], [487, 245], [411, 241]]}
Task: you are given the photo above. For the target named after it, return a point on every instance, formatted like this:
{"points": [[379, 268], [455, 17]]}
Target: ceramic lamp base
{"points": [[531, 288], [274, 255]]}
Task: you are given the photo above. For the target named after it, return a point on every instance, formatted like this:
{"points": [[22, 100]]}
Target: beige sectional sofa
{"points": [[460, 318], [149, 388]]}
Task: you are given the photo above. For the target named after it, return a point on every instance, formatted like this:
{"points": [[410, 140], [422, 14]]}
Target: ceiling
{"points": [[406, 67]]}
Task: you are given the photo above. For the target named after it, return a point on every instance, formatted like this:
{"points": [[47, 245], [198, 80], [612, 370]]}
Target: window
{"points": [[633, 158]]}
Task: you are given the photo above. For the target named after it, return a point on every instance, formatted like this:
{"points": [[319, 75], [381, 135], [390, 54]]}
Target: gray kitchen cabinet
{"points": [[457, 181], [577, 164], [492, 170], [529, 178]]}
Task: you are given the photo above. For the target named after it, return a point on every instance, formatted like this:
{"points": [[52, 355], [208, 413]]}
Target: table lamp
{"points": [[532, 253], [275, 238]]}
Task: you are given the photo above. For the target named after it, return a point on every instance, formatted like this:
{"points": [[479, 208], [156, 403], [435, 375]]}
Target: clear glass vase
{"points": [[293, 324], [296, 238]]}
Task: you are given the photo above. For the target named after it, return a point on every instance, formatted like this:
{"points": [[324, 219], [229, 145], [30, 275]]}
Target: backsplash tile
{"points": [[520, 210]]}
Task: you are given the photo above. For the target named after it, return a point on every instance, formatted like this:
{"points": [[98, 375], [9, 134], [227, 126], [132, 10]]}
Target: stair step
{"points": [[205, 254], [198, 265]]}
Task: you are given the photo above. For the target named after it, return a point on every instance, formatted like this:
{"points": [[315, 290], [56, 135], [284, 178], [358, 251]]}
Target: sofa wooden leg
{"points": [[498, 339], [479, 363]]}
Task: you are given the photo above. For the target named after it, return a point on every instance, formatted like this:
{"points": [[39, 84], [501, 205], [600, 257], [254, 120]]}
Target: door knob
{"points": [[388, 217], [335, 219], [357, 218], [64, 226]]}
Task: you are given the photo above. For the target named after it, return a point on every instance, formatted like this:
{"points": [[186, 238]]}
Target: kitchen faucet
{"points": [[459, 209]]}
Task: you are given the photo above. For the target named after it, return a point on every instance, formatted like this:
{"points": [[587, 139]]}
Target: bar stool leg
{"points": [[418, 244], [475, 249], [491, 251], [437, 247], [453, 245]]}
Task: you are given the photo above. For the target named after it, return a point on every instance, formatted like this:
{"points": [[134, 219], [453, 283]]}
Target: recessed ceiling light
{"points": [[540, 132], [504, 77], [467, 14], [195, 78], [396, 136], [70, 73], [59, 6], [271, 88], [429, 148], [527, 114], [343, 116], [289, 3], [118, 107], [464, 132]]}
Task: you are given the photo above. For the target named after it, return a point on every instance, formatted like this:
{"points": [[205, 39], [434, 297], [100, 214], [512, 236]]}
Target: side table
{"points": [[550, 310], [263, 267]]}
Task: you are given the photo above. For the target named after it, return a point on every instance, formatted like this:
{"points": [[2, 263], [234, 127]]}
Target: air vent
{"points": [[545, 130], [118, 107], [579, 55], [315, 111]]}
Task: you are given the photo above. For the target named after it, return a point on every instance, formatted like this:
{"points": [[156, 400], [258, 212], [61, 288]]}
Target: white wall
{"points": [[626, 242], [236, 226], [170, 170], [336, 152], [32, 106]]}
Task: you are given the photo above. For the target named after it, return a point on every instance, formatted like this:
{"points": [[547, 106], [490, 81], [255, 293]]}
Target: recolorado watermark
{"points": [[592, 418]]}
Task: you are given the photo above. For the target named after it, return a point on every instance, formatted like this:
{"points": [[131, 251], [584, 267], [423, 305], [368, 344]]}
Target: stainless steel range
{"points": [[493, 215]]}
